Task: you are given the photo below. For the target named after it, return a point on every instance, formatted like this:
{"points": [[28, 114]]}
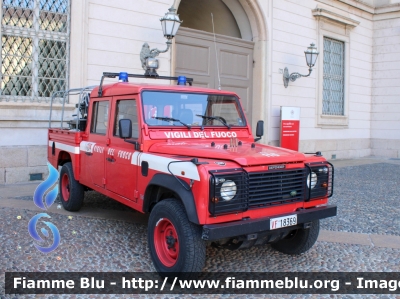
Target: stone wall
{"points": [[294, 27], [17, 163], [385, 124], [23, 138], [116, 31]]}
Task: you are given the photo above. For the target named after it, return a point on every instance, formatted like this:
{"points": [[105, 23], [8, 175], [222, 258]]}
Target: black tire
{"points": [[70, 190], [175, 243], [298, 241]]}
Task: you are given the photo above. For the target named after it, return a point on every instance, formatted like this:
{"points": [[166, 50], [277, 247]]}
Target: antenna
{"points": [[216, 55]]}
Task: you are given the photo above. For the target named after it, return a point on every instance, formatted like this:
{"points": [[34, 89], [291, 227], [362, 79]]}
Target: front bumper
{"points": [[213, 232]]}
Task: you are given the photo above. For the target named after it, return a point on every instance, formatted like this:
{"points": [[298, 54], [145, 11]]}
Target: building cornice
{"points": [[360, 5], [388, 8], [329, 15]]}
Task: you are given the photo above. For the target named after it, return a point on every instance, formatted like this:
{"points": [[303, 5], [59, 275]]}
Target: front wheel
{"points": [[71, 191], [175, 243], [298, 241]]}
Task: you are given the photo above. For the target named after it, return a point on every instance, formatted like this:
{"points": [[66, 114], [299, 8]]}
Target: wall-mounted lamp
{"points": [[170, 24], [311, 57]]}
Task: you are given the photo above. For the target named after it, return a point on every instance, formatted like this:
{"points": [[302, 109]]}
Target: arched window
{"points": [[35, 48]]}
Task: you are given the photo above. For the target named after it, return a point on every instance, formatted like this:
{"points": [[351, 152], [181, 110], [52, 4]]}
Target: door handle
{"points": [[88, 154], [110, 159]]}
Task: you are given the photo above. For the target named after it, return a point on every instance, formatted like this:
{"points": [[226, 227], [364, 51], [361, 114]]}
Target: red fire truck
{"points": [[187, 156]]}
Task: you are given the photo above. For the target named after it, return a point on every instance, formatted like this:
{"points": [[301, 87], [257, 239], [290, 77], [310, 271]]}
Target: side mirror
{"points": [[125, 132], [125, 128], [259, 130]]}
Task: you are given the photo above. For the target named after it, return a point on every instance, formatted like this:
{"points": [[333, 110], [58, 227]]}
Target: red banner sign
{"points": [[290, 127]]}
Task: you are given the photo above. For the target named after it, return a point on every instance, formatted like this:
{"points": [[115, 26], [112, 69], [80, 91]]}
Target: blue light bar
{"points": [[123, 77], [181, 80]]}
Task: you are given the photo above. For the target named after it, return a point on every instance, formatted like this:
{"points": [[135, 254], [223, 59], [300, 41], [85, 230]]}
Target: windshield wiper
{"points": [[219, 118], [172, 119]]}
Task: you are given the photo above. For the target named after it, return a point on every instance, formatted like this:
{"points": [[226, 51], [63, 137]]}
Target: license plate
{"points": [[280, 222]]}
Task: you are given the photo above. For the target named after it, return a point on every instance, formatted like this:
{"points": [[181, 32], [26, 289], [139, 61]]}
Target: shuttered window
{"points": [[333, 82]]}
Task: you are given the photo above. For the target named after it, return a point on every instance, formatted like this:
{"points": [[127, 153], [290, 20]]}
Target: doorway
{"points": [[196, 54]]}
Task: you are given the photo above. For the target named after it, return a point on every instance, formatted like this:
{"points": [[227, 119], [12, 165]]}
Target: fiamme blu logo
{"points": [[44, 196]]}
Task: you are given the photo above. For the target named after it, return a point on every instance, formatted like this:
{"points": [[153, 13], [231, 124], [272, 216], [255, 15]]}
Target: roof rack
{"points": [[113, 75], [82, 103]]}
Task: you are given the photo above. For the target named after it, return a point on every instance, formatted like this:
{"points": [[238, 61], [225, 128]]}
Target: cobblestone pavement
{"points": [[367, 199]]}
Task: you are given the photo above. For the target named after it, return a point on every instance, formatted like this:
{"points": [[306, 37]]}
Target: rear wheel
{"points": [[71, 191], [298, 241], [175, 243]]}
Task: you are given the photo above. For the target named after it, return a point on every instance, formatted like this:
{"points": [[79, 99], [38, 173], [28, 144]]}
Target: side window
{"points": [[100, 117], [126, 109]]}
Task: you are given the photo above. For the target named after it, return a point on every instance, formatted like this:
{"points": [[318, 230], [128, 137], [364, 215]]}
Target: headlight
{"points": [[314, 180], [319, 180], [228, 190], [323, 170]]}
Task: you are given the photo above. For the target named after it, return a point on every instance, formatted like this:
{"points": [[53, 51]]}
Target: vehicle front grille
{"points": [[276, 187]]}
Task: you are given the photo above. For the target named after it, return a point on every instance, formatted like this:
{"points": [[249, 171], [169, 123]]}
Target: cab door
{"points": [[121, 168], [93, 150]]}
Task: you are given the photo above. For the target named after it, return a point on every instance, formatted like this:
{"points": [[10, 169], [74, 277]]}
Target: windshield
{"points": [[191, 109]]}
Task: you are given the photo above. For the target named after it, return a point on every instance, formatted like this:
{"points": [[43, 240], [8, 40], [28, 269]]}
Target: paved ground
{"points": [[107, 236]]}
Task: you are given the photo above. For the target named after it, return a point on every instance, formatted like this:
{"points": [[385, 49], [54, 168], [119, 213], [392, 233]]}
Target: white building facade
{"points": [[350, 104]]}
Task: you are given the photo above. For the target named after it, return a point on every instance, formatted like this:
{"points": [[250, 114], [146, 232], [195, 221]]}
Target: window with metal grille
{"points": [[333, 82], [35, 48]]}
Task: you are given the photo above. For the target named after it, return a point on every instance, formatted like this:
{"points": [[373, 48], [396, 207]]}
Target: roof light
{"points": [[152, 63], [152, 66], [123, 77], [181, 80]]}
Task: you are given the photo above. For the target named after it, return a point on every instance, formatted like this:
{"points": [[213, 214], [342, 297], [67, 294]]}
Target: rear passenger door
{"points": [[121, 168], [93, 150]]}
